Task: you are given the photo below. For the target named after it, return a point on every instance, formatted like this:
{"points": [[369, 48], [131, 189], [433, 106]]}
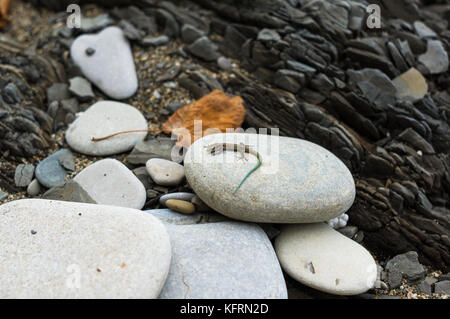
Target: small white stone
{"points": [[34, 188], [109, 182], [54, 249], [320, 257], [102, 119], [164, 172], [107, 61], [338, 222]]}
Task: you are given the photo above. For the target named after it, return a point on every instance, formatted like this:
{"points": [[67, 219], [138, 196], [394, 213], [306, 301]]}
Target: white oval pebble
{"points": [[107, 61], [298, 182], [102, 119], [109, 182], [320, 257], [164, 172], [53, 249]]}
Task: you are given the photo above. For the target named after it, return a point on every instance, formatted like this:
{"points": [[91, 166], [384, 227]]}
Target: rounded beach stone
{"points": [[107, 61], [322, 258], [34, 188], [109, 182], [180, 196], [53, 249], [206, 263], [298, 182], [164, 172], [102, 119], [49, 171], [181, 206]]}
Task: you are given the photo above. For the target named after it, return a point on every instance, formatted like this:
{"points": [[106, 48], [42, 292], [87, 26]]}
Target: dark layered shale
{"points": [[304, 63]]}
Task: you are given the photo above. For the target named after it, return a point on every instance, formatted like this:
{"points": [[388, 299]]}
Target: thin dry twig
{"points": [[98, 139]]}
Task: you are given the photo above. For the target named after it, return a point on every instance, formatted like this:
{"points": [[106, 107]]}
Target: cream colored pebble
{"points": [[181, 206]]}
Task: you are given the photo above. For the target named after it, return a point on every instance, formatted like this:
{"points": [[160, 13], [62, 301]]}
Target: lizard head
{"points": [[214, 149]]}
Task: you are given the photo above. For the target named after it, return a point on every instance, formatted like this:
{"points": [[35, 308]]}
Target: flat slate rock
{"points": [[109, 182], [436, 57], [298, 182], [81, 88], [102, 119], [320, 257], [69, 192], [404, 266], [3, 195], [53, 249], [227, 260], [49, 171], [375, 85], [23, 175], [107, 61]]}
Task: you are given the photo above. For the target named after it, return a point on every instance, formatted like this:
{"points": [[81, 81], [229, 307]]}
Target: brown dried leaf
{"points": [[5, 6], [216, 111]]}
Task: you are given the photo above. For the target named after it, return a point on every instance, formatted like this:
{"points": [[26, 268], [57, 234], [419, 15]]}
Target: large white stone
{"points": [[109, 182], [322, 258], [107, 61], [52, 249], [298, 182], [102, 119], [223, 260]]}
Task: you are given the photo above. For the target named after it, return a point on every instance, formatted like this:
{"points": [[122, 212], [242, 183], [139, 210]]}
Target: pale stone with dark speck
{"points": [[320, 257], [116, 252], [164, 172], [107, 61], [109, 182]]}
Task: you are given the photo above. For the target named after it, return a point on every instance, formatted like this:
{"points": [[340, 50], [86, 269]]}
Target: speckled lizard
{"points": [[241, 148]]}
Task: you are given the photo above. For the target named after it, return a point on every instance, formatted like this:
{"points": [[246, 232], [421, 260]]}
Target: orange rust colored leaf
{"points": [[5, 6], [215, 111]]}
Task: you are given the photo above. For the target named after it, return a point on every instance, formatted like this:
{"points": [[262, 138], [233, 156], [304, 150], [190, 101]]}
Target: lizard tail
{"points": [[247, 176]]}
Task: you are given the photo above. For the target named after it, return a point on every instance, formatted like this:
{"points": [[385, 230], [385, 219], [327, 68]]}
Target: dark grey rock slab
{"points": [[404, 266], [69, 192]]}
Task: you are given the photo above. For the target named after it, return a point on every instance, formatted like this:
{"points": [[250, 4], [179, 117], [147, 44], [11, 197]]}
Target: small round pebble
{"points": [[224, 63], [34, 188], [180, 206], [180, 196], [165, 172]]}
